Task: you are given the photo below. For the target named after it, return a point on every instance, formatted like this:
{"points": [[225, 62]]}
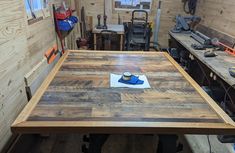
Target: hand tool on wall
{"points": [[99, 26], [51, 54], [99, 23], [192, 5], [105, 22], [83, 23], [86, 25], [57, 29]]}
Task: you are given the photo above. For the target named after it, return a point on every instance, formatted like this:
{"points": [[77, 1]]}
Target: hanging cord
{"points": [[192, 5], [204, 73], [227, 94], [31, 10], [209, 144]]}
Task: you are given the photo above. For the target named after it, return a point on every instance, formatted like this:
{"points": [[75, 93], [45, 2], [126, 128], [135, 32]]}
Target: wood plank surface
{"points": [[22, 46], [78, 92], [217, 15], [219, 65]]}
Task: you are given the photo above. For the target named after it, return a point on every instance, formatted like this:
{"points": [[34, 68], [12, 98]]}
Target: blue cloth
{"points": [[74, 19], [67, 24], [133, 81]]}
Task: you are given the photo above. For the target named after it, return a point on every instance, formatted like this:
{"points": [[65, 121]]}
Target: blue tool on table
{"points": [[128, 78]]}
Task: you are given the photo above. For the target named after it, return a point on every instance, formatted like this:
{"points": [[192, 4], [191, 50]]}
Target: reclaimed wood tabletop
{"points": [[77, 97]]}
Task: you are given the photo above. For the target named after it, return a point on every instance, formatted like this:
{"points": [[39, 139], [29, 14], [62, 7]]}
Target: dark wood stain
{"points": [[80, 91], [129, 119]]}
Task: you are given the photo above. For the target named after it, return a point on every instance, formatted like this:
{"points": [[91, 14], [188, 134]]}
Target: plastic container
{"points": [[63, 16]]}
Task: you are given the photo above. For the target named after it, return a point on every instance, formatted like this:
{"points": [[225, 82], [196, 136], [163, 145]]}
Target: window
{"points": [[132, 4], [36, 8]]}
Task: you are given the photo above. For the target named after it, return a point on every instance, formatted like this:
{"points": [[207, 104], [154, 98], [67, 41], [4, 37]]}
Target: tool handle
{"points": [[160, 4]]}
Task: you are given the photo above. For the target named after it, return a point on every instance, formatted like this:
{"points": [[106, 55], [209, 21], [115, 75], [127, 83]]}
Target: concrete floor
{"points": [[200, 144]]}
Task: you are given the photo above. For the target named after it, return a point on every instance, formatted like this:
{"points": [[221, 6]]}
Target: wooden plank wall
{"points": [[13, 50], [218, 14], [21, 47], [170, 8]]}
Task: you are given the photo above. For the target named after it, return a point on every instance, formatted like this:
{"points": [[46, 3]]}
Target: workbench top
{"points": [[76, 97], [113, 27], [219, 64]]}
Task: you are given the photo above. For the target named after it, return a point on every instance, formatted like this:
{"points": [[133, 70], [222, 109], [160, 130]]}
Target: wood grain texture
{"points": [[12, 23], [218, 15], [21, 48], [78, 93], [13, 50], [219, 65]]}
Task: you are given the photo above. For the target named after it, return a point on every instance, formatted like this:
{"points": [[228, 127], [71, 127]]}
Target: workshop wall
{"points": [[218, 15], [170, 8], [22, 46]]}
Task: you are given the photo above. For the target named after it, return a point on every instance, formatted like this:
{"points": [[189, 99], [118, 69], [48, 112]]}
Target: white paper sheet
{"points": [[115, 84]]}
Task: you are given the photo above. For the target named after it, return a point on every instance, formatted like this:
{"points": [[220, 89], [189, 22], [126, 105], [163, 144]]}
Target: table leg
{"points": [[121, 42], [167, 144], [96, 142], [95, 45]]}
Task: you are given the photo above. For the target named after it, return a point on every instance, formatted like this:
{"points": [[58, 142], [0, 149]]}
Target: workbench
{"points": [[215, 69], [113, 27], [219, 65], [77, 97]]}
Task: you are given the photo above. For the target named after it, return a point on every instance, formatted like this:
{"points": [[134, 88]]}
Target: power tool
{"points": [[185, 24], [99, 24], [105, 22], [232, 71]]}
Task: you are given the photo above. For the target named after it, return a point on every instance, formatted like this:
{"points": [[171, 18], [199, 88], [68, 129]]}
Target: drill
{"points": [[105, 22], [99, 25]]}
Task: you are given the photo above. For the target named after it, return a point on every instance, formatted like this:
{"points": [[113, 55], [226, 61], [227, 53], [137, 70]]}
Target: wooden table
{"points": [[219, 65], [76, 97], [113, 27]]}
